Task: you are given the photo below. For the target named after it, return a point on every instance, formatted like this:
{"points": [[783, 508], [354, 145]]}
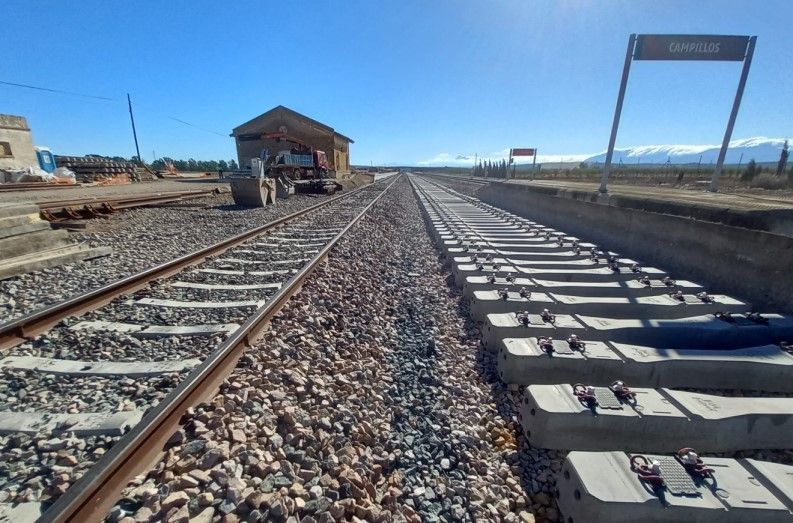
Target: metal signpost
{"points": [[522, 152], [685, 47]]}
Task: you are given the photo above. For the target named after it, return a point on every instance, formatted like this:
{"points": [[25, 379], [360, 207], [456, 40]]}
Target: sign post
{"points": [[617, 111], [714, 182], [684, 47], [523, 151]]}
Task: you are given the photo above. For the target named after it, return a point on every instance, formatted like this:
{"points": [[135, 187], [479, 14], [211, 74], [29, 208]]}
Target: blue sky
{"points": [[410, 81]]}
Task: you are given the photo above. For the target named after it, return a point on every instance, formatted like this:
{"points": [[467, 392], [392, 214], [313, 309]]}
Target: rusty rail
{"points": [[55, 210], [90, 498], [26, 327], [35, 186]]}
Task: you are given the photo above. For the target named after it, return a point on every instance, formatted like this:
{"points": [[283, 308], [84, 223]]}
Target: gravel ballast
{"points": [[368, 397], [140, 238]]}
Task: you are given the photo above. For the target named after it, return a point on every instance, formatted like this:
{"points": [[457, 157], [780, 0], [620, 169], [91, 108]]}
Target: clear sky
{"points": [[409, 81]]}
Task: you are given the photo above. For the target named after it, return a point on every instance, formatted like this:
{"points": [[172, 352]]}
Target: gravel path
{"points": [[368, 397], [140, 238]]}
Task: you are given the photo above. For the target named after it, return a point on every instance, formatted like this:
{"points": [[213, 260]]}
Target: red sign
{"points": [[523, 152]]}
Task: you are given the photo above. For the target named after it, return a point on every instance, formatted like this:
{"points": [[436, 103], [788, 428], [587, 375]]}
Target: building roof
{"points": [[281, 108]]}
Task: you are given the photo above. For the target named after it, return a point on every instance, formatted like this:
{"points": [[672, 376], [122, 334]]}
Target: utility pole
{"points": [[134, 132]]}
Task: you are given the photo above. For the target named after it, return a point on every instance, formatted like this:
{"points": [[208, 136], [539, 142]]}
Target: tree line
{"points": [[192, 165], [489, 169]]}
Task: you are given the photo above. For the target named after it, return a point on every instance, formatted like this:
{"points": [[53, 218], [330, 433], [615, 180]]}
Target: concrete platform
{"points": [[600, 486], [656, 420], [768, 368], [661, 306]]}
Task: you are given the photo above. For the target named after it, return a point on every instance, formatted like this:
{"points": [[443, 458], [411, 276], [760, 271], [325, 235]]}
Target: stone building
{"points": [[251, 137], [16, 143]]}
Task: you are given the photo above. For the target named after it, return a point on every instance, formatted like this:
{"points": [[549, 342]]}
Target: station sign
{"points": [[691, 47], [523, 152], [710, 48]]}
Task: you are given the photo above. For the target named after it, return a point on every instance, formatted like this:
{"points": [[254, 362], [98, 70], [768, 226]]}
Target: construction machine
{"points": [[298, 169]]}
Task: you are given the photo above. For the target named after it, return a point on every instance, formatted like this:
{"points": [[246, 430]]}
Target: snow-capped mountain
{"points": [[761, 149]]}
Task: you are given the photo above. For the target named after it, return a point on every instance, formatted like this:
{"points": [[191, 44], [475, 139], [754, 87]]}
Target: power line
{"points": [[59, 91], [197, 127]]}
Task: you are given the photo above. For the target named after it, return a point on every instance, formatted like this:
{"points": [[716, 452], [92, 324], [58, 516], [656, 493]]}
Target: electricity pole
{"points": [[134, 132]]}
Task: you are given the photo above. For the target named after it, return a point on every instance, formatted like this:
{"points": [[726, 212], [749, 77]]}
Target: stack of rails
{"points": [[601, 342], [93, 169]]}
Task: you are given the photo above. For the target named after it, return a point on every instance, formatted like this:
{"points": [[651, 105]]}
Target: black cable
{"points": [[59, 91], [197, 127], [108, 99]]}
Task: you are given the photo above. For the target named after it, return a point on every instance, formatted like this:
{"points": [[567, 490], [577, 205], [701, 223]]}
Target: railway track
{"points": [[81, 208], [599, 346], [88, 402]]}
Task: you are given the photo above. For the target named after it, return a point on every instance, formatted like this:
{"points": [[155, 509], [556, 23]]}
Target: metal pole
{"points": [[134, 132], [617, 111], [534, 161], [747, 62]]}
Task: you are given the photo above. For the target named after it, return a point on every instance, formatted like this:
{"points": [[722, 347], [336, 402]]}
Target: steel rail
{"points": [[35, 186], [81, 208], [471, 180], [121, 199], [30, 325], [91, 497]]}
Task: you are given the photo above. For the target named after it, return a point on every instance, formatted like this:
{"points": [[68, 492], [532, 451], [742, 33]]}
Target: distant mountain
{"points": [[760, 149]]}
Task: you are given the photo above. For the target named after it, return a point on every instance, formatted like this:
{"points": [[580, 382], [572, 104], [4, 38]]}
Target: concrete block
{"points": [[462, 270], [600, 486], [694, 332], [97, 368], [630, 288], [12, 247], [661, 306], [26, 228], [10, 210], [50, 258], [655, 420], [497, 327], [766, 367], [594, 275], [83, 424]]}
